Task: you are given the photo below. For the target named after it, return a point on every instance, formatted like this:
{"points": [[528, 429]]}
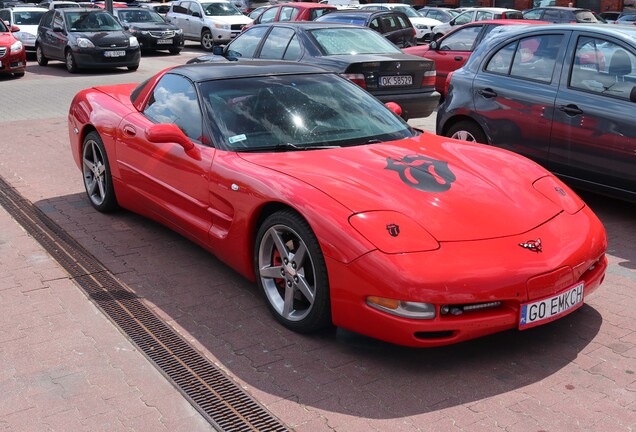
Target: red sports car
{"points": [[12, 51], [339, 210]]}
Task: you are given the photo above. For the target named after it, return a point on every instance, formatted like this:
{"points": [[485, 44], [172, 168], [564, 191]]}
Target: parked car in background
{"points": [[59, 4], [150, 29], [610, 16], [357, 53], [475, 14], [27, 18], [563, 95], [248, 6], [12, 52], [161, 8], [294, 11], [452, 51], [342, 4], [256, 12], [556, 14], [85, 38], [628, 19], [393, 25], [423, 26], [440, 14], [208, 22]]}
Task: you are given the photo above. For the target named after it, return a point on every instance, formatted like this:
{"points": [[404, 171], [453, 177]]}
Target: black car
{"points": [[563, 95], [357, 53], [85, 38], [393, 25], [556, 14], [150, 29]]}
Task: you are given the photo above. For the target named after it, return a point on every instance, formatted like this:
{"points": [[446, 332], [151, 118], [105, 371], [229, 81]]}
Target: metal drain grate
{"points": [[224, 404]]}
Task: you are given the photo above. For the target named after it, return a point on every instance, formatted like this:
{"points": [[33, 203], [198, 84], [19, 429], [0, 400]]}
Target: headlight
{"points": [[134, 43], [84, 43], [24, 36], [406, 309], [178, 31], [17, 46], [144, 32], [222, 26], [392, 232]]}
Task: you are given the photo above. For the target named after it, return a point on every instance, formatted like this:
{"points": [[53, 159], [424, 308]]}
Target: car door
{"points": [[246, 44], [515, 90], [170, 182], [594, 134], [452, 51], [178, 17], [195, 19], [57, 37]]}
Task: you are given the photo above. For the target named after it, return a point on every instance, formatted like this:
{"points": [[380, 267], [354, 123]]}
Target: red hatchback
{"points": [[453, 50], [301, 11], [12, 52]]}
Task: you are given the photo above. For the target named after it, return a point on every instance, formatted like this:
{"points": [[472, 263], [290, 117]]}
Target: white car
{"points": [[475, 14], [423, 26], [27, 18], [161, 8], [209, 22]]}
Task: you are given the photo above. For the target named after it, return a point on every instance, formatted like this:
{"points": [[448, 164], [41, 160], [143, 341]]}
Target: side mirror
{"points": [[395, 108], [632, 94], [217, 50], [434, 45], [58, 29], [452, 22], [196, 14], [168, 133], [15, 29]]}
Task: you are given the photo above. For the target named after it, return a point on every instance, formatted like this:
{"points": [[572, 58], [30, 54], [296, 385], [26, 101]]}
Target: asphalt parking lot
{"points": [[63, 366]]}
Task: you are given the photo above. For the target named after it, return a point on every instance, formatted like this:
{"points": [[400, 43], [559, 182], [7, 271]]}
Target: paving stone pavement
{"points": [[64, 367]]}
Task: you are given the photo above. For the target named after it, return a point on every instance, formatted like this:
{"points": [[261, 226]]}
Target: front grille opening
{"points": [[467, 308], [434, 335]]}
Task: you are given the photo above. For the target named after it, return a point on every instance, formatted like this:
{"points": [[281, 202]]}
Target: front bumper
{"points": [[468, 273], [13, 62], [95, 58], [414, 104], [147, 41]]}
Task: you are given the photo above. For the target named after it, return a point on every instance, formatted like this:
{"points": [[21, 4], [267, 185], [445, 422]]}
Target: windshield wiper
{"points": [[287, 146]]}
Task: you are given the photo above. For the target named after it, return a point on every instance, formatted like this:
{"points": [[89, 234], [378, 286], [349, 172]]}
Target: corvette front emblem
{"points": [[533, 245], [393, 229]]}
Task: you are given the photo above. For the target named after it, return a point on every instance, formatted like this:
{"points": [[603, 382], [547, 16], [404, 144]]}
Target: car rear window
{"points": [[344, 41], [345, 19], [513, 15]]}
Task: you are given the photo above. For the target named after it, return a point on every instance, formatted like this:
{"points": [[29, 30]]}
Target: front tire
{"points": [[291, 272], [71, 66], [467, 131], [39, 56], [133, 68], [207, 40], [97, 178], [174, 51]]}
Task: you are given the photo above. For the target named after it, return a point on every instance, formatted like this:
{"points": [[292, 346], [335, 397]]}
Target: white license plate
{"points": [[546, 310], [164, 41], [396, 80], [114, 53]]}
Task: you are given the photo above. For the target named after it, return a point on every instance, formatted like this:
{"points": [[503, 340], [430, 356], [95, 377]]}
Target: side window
{"points": [[604, 67], [276, 43], [481, 15], [174, 100], [293, 49], [269, 15], [533, 15], [245, 45], [47, 20], [287, 13], [375, 25], [6, 16], [461, 40], [464, 18], [389, 23], [315, 13], [532, 58], [403, 23], [195, 8], [179, 8], [58, 21], [552, 16]]}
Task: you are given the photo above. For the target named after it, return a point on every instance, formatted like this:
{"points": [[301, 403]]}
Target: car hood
{"points": [[455, 190], [425, 21], [7, 39], [105, 38], [33, 29], [152, 26]]}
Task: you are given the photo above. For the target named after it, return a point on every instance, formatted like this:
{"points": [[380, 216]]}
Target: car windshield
{"points": [[343, 41], [3, 28], [345, 19], [139, 16], [220, 9], [27, 18], [92, 21], [297, 112], [408, 10]]}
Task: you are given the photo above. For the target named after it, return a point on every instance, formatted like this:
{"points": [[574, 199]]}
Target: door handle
{"points": [[129, 131], [571, 109], [487, 93], [459, 58]]}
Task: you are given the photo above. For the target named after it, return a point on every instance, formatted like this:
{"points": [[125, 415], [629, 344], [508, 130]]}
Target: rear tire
{"points": [[39, 56], [207, 40], [467, 130]]}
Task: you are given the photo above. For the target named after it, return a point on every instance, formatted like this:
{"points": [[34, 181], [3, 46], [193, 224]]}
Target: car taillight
{"points": [[414, 32], [429, 78], [356, 78], [572, 22], [447, 83]]}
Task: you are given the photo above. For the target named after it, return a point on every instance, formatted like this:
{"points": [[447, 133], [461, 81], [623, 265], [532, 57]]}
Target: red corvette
{"points": [[341, 212]]}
